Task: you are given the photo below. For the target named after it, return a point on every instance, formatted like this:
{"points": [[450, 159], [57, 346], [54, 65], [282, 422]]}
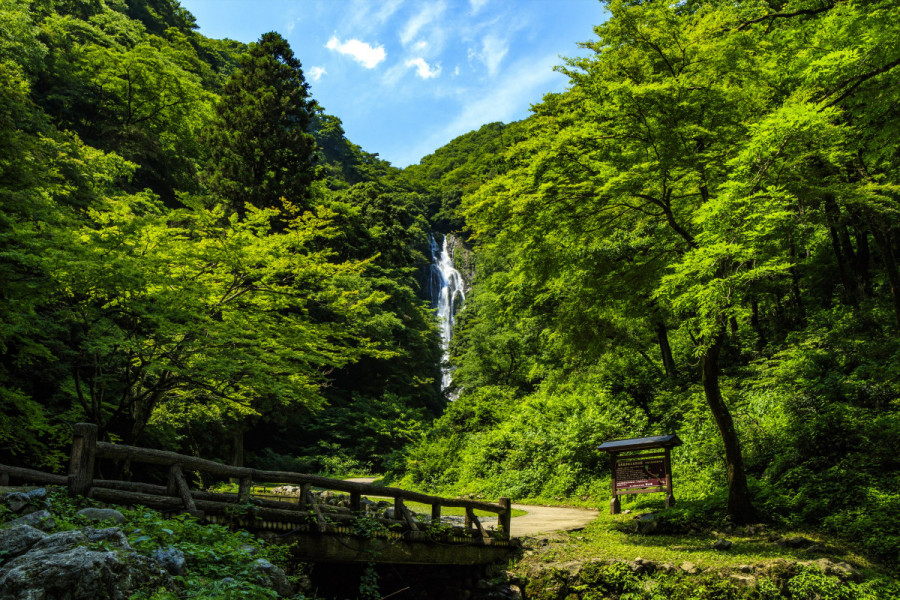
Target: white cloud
{"points": [[493, 50], [429, 13], [316, 73], [393, 76], [366, 15], [456, 70], [477, 5], [504, 99], [387, 9], [289, 28], [365, 54], [423, 69]]}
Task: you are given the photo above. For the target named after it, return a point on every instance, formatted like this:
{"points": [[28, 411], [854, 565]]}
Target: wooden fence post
{"points": [[503, 519], [81, 461], [401, 513], [321, 525], [176, 476], [244, 489], [171, 484], [473, 525], [436, 514], [305, 491]]}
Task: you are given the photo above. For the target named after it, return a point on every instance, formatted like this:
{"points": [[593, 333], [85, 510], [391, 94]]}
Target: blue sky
{"points": [[407, 76]]}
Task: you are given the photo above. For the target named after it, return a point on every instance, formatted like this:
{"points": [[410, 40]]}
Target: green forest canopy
{"points": [[183, 263], [698, 237]]}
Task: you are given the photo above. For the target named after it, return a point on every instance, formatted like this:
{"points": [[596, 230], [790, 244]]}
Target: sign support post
{"points": [[614, 505], [670, 496]]}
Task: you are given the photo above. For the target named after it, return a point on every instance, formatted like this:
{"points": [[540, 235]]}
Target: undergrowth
{"points": [[219, 563]]}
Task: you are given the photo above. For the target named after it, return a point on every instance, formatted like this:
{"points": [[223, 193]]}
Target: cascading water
{"points": [[445, 288]]}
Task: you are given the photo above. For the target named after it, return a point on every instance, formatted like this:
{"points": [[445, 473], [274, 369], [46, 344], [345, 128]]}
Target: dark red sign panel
{"points": [[640, 473]]}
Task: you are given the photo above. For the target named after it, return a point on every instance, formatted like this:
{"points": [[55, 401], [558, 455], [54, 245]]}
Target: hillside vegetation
{"points": [[193, 255], [698, 237]]}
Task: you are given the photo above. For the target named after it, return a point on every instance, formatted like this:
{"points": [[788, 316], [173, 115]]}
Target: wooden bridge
{"points": [[344, 531]]}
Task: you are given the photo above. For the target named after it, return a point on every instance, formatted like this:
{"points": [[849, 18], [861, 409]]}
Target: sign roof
{"points": [[657, 441]]}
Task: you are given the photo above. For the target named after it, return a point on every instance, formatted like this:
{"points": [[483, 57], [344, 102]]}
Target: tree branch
{"points": [[773, 16], [860, 79]]}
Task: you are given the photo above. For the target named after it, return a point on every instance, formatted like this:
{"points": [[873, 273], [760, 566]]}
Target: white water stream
{"points": [[446, 291]]}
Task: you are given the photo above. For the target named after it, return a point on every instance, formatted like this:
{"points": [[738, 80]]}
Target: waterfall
{"points": [[445, 289]]}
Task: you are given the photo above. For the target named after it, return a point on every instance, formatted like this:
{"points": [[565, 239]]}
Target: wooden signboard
{"points": [[641, 466], [641, 474]]}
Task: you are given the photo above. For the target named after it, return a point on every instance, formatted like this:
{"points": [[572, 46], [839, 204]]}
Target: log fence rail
{"points": [[242, 509]]}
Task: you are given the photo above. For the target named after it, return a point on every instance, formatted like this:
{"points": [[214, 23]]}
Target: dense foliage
{"points": [[698, 237], [176, 266]]}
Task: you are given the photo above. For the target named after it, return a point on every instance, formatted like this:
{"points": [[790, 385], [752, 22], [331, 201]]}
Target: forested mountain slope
{"points": [[698, 237], [193, 255]]}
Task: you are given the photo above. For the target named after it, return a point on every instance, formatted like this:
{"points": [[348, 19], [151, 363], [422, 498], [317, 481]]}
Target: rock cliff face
{"points": [[463, 259]]}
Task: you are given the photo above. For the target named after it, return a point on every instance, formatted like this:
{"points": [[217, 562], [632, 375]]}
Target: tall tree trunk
{"points": [[735, 333], [882, 236], [237, 449], [795, 283], [739, 506], [757, 326], [662, 338], [843, 253], [861, 264]]}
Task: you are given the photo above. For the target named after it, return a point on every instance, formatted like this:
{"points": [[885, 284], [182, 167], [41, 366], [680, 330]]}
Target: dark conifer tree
{"points": [[260, 146]]}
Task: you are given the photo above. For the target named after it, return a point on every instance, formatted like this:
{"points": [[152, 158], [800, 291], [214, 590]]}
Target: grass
{"points": [[595, 563], [615, 538], [608, 538]]}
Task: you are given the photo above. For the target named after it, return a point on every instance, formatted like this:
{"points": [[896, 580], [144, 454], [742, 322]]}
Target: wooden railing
{"points": [[304, 512]]}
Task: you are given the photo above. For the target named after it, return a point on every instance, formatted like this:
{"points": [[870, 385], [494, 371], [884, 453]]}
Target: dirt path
{"points": [[545, 519], [540, 519]]}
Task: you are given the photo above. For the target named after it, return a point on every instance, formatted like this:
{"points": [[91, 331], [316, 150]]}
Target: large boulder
{"points": [[272, 577], [16, 501], [27, 501], [41, 519], [101, 514], [110, 535], [172, 560], [63, 566], [18, 540]]}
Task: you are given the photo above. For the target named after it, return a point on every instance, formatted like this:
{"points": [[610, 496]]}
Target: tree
{"points": [[124, 90], [176, 314], [260, 146], [602, 204]]}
